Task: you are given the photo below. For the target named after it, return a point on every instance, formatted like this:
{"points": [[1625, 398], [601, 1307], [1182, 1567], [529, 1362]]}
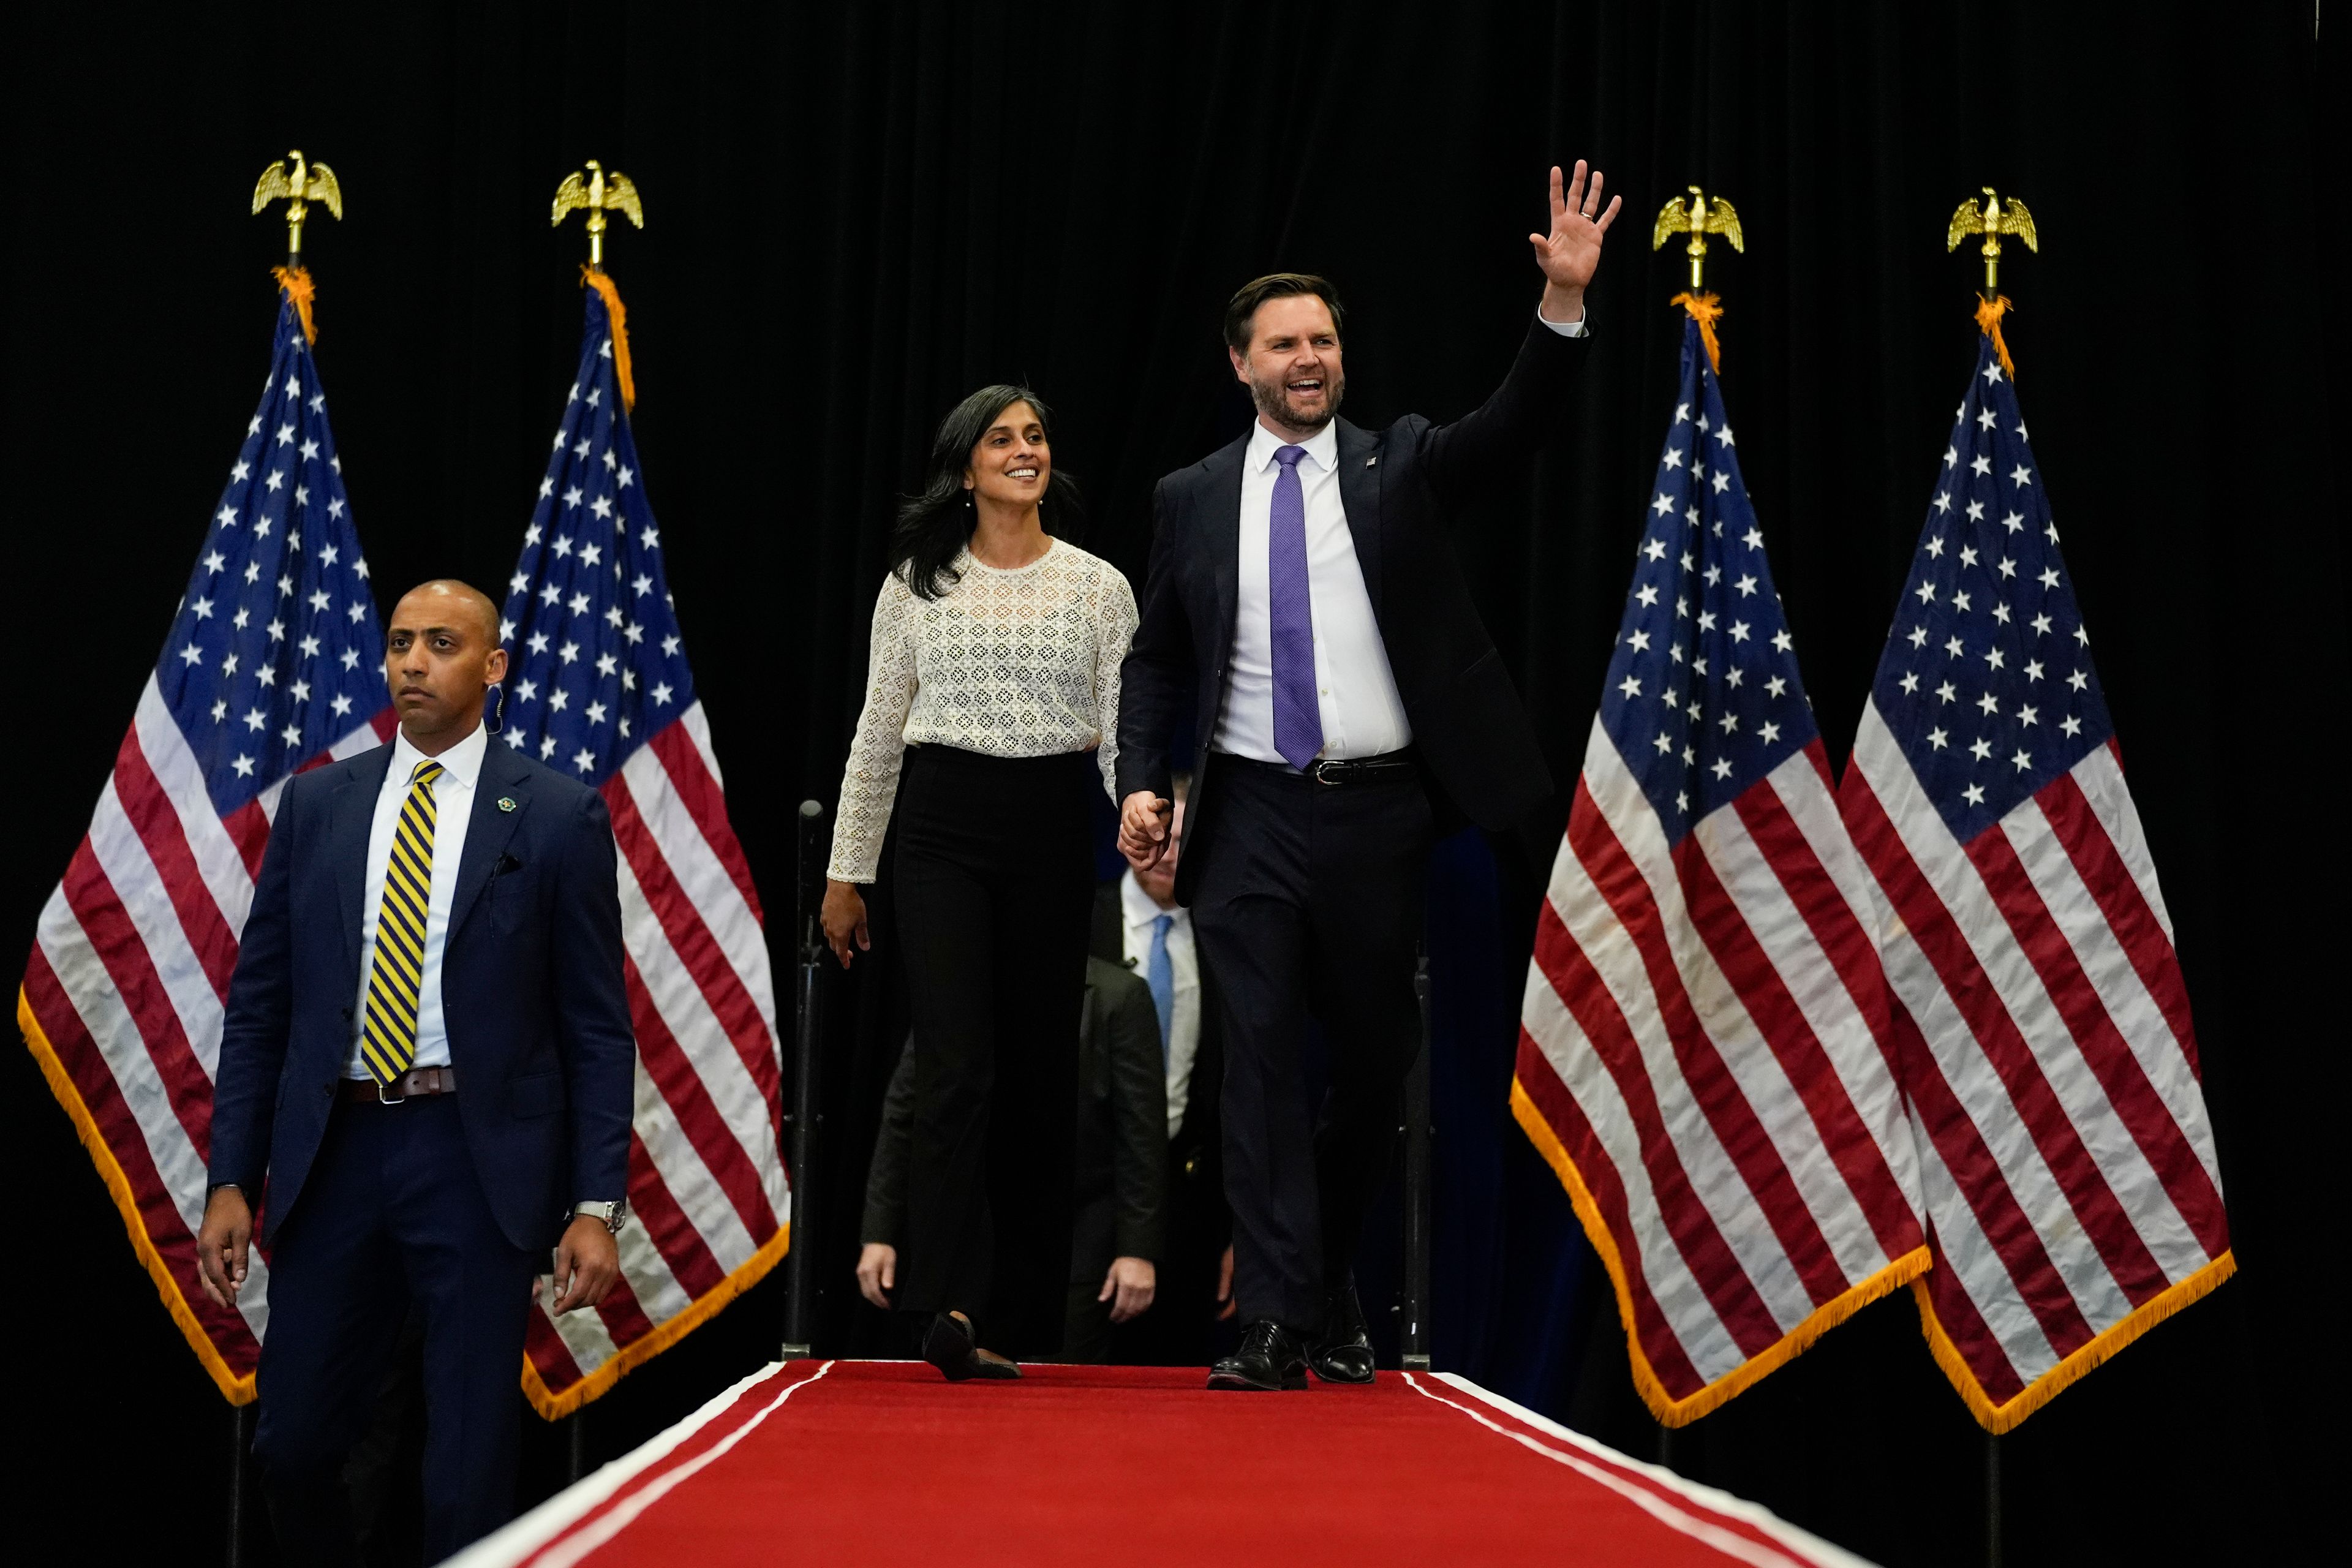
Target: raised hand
{"points": [[1570, 253]]}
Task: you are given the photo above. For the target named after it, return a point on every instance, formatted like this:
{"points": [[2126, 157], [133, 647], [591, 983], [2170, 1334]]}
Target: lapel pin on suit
{"points": [[506, 803]]}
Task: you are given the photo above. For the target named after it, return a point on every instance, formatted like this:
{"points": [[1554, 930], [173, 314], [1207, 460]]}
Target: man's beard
{"points": [[1272, 397]]}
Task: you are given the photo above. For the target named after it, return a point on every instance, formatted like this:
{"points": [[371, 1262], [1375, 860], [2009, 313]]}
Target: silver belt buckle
{"points": [[383, 1098], [1322, 772]]}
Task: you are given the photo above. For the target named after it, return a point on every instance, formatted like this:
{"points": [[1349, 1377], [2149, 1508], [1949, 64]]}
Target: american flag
{"points": [[274, 664], [2072, 1192], [601, 688], [1703, 1054]]}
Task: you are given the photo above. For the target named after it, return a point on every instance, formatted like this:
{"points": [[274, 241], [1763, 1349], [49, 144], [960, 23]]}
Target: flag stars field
{"points": [[1989, 587], [232, 652]]}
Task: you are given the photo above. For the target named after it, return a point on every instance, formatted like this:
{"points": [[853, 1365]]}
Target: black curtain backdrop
{"points": [[857, 214]]}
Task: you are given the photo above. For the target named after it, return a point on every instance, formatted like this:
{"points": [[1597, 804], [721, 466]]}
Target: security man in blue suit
{"points": [[427, 1067]]}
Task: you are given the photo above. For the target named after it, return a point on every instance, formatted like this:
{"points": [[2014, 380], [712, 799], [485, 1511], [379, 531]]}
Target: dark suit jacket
{"points": [[1400, 487], [1196, 1153], [530, 985], [1121, 1145]]}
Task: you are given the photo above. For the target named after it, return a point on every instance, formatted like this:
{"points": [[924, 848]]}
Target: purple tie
{"points": [[1298, 717]]}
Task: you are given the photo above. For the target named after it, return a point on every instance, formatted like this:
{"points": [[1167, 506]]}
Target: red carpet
{"points": [[875, 1463]]}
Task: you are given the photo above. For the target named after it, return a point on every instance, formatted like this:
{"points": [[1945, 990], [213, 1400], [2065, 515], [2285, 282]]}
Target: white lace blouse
{"points": [[1019, 663]]}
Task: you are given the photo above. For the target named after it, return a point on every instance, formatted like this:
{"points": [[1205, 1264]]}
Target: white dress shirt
{"points": [[453, 808], [1137, 912], [1354, 687]]}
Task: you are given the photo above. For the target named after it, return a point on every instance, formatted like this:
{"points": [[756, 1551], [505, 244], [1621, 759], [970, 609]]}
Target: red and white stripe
{"points": [[1704, 1053], [706, 1181], [126, 984], [2066, 1160]]}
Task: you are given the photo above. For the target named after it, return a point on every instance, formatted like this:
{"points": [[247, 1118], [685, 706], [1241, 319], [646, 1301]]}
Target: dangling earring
{"points": [[497, 719]]}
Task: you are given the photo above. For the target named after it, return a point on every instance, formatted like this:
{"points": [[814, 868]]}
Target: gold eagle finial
{"points": [[309, 182], [1701, 216], [600, 192], [1993, 220]]}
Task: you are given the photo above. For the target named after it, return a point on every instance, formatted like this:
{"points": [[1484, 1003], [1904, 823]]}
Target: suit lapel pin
{"points": [[506, 803], [1370, 461]]}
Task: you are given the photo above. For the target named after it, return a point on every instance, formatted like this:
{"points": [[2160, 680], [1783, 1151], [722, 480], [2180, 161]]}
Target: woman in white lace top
{"points": [[993, 687]]}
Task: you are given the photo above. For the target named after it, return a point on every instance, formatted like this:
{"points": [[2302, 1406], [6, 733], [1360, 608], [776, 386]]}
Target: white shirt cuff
{"points": [[1574, 329]]}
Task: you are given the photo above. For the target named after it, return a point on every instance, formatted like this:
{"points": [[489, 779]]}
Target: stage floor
{"points": [[874, 1463]]}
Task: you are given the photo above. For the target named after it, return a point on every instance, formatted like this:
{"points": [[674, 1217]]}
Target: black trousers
{"points": [[393, 1213], [1310, 900], [995, 890]]}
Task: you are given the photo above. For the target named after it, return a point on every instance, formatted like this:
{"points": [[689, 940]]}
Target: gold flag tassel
{"points": [[309, 182], [596, 278], [296, 282], [1704, 310], [600, 192], [1994, 219], [1700, 216], [1989, 310]]}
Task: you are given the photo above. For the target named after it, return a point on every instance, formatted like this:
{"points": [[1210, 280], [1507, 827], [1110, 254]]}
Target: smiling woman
{"points": [[972, 459], [992, 672]]}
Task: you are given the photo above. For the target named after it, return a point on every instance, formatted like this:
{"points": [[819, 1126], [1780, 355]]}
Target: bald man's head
{"points": [[441, 658]]}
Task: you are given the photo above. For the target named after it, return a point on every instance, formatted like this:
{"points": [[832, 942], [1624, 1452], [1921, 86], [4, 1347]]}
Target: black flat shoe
{"points": [[948, 1346], [1269, 1359], [1342, 1350]]}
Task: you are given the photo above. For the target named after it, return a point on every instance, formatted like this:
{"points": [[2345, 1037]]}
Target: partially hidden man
{"points": [[1305, 606], [426, 1066]]}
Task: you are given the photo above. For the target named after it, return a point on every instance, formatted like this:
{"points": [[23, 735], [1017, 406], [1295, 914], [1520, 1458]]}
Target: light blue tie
{"points": [[1160, 973]]}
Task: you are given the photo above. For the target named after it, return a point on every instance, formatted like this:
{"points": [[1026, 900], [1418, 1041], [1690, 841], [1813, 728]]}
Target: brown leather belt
{"points": [[412, 1085]]}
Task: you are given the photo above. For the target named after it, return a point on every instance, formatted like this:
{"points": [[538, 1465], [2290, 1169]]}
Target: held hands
{"points": [[221, 1245], [587, 1261], [877, 1272], [1133, 1281], [843, 915], [1571, 252], [1143, 822]]}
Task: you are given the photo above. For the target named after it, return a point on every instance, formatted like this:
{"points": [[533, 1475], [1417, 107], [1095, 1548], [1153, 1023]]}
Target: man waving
{"points": [[1302, 588]]}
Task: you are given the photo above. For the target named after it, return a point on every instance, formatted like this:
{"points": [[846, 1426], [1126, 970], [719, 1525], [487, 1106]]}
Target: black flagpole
{"points": [[1413, 1338], [240, 1431], [1992, 1501], [809, 934]]}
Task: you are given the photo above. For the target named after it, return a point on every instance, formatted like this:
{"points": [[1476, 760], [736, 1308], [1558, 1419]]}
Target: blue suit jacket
{"points": [[530, 985]]}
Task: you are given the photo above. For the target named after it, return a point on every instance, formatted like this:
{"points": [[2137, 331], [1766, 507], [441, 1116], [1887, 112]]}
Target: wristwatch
{"points": [[611, 1216]]}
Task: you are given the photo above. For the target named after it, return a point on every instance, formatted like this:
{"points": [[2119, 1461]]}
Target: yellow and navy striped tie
{"points": [[388, 1038]]}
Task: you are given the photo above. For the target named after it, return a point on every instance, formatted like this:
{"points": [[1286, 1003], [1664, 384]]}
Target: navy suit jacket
{"points": [[530, 985], [1401, 489]]}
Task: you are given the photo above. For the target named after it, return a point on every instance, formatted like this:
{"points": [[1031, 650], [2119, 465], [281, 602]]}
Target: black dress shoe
{"points": [[1269, 1359], [1342, 1350], [948, 1346]]}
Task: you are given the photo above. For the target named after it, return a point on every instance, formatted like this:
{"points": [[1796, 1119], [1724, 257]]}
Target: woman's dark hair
{"points": [[936, 520]]}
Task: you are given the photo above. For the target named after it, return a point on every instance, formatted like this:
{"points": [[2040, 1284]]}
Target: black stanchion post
{"points": [[240, 1429], [1413, 1337], [1992, 1501], [799, 1316], [576, 1429]]}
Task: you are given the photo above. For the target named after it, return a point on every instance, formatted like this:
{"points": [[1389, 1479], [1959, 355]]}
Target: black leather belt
{"points": [[1384, 768]]}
